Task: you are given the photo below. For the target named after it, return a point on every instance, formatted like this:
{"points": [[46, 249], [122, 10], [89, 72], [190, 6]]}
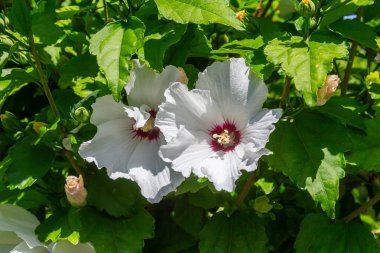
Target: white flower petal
{"points": [[151, 173], [8, 240], [112, 145], [24, 248], [223, 171], [252, 158], [67, 247], [260, 127], [235, 88], [193, 109], [20, 221], [106, 109], [186, 152], [140, 115], [145, 86]]}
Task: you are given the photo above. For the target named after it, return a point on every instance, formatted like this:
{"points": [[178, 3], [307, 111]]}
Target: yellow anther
{"points": [[149, 125], [224, 138]]}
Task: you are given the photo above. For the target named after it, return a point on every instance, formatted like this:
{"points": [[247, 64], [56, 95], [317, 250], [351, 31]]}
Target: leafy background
{"points": [[319, 190]]}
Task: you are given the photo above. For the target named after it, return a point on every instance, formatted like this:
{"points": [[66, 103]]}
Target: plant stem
{"points": [[362, 208], [43, 78], [244, 192], [50, 98], [285, 92], [264, 12], [106, 10], [347, 73]]}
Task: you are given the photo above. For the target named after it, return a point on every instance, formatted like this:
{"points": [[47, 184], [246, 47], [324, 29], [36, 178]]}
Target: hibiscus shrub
{"points": [[190, 126]]}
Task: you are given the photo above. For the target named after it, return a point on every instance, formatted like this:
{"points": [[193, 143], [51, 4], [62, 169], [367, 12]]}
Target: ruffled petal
{"points": [[112, 145], [193, 109], [145, 86], [140, 115], [186, 151], [252, 158], [260, 127], [234, 88], [8, 240], [21, 222], [151, 173], [24, 248], [223, 171], [106, 109], [67, 247]]}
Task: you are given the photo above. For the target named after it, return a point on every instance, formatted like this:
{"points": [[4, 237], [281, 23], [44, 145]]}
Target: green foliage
{"points": [[308, 62], [240, 232], [311, 155], [110, 235], [113, 46], [58, 57], [319, 234], [198, 12]]}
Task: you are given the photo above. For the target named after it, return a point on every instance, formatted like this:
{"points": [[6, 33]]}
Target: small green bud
{"points": [[10, 122], [81, 114], [306, 8]]}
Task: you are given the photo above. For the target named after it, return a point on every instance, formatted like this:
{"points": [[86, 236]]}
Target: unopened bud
{"points": [[75, 192], [81, 114], [241, 15], [327, 90], [306, 8], [182, 78], [37, 126], [10, 122]]}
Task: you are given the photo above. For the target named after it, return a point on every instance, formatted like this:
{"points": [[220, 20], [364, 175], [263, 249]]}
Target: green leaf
{"points": [[44, 29], [198, 12], [117, 197], [318, 234], [364, 34], [19, 16], [309, 150], [160, 36], [12, 80], [239, 233], [337, 11], [29, 162], [366, 148], [194, 43], [6, 56], [188, 217], [60, 226], [363, 2], [307, 62], [110, 235], [113, 46]]}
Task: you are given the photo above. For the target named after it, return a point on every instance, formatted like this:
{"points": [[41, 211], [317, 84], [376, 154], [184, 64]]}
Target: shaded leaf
{"points": [[310, 154], [120, 197], [318, 234], [364, 34], [198, 12], [239, 233], [19, 16], [110, 235]]}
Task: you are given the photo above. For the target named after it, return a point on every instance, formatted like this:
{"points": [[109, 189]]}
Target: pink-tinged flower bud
{"points": [[182, 78], [75, 192], [327, 90]]}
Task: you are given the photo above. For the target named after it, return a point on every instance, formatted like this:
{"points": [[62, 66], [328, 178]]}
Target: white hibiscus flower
{"points": [[127, 141], [219, 128], [17, 235]]}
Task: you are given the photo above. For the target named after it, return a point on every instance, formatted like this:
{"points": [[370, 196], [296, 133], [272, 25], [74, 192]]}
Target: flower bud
{"points": [[75, 192], [38, 125], [182, 78], [81, 114], [327, 90], [10, 122], [306, 8], [241, 15]]}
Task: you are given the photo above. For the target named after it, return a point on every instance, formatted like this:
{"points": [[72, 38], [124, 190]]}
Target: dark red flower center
{"points": [[148, 131], [225, 137]]}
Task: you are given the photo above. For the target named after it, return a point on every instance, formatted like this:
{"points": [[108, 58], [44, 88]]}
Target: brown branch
{"points": [[362, 208], [244, 192], [264, 12], [285, 92]]}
